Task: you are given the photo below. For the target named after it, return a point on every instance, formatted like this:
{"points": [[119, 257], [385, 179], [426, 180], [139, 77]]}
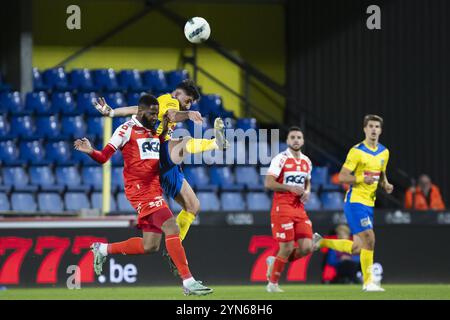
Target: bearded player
{"points": [[139, 144], [177, 105], [364, 169], [289, 176]]}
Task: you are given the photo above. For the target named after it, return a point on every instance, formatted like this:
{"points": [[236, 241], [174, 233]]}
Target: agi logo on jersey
{"points": [[294, 178], [148, 148]]}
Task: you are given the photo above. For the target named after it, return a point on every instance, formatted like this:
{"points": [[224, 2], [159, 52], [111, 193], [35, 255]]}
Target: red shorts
{"points": [[153, 222], [291, 228]]}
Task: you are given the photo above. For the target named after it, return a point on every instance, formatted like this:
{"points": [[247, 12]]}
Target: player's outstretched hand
{"points": [[83, 145], [388, 188], [297, 190], [102, 107], [195, 116], [305, 196]]}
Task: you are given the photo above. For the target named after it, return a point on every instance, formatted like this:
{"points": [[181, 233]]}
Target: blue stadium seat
{"points": [[43, 177], [71, 178], [97, 201], [38, 82], [50, 202], [258, 201], [117, 182], [119, 121], [332, 201], [105, 79], [85, 103], [76, 201], [18, 179], [156, 80], [117, 159], [33, 152], [198, 178], [232, 201], [208, 201], [73, 126], [319, 175], [130, 79], [92, 176], [9, 154], [175, 77], [249, 177], [63, 102], [81, 79], [59, 152], [95, 126], [313, 202], [210, 105], [4, 202], [50, 127], [246, 124], [56, 79], [224, 177], [174, 206], [24, 127], [115, 100], [123, 204], [11, 102], [38, 102], [4, 128], [23, 201]]}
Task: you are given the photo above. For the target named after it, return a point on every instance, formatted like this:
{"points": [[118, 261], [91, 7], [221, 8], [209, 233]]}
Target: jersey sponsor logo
{"points": [[289, 166], [288, 226], [294, 178], [158, 202], [148, 148]]}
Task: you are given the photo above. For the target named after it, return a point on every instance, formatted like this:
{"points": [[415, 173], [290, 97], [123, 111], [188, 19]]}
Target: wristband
{"points": [[111, 113]]}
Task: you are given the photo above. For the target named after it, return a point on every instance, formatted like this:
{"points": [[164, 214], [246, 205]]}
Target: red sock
{"points": [[294, 256], [176, 252], [278, 267], [130, 246]]}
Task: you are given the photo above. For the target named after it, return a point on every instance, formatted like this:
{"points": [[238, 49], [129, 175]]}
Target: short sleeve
{"points": [[385, 162], [121, 136], [352, 160], [310, 168], [276, 165]]}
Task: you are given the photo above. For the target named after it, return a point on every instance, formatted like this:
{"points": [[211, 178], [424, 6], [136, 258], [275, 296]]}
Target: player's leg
{"points": [[191, 206], [303, 236], [341, 245]]}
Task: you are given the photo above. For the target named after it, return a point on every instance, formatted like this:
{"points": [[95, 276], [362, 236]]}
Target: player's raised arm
{"points": [[84, 145], [102, 107], [179, 116]]}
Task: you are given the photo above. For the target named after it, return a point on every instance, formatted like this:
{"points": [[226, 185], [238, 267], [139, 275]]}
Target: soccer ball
{"points": [[197, 30]]}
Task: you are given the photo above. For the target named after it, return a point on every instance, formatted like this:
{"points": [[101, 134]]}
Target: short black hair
{"points": [[190, 88], [294, 128], [147, 100]]}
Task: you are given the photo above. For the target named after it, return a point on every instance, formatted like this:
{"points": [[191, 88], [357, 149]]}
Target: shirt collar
{"points": [[138, 123], [291, 155]]}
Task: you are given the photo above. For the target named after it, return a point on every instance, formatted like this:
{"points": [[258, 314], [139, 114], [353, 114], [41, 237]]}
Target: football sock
{"points": [[366, 264], [278, 267], [176, 252], [184, 221], [130, 246], [201, 145], [338, 245]]}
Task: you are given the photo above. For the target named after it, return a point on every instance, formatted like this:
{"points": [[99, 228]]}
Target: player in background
{"points": [[177, 105], [289, 176], [364, 169], [139, 144]]}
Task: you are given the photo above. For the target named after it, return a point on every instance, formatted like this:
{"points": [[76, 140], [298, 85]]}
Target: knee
{"points": [[151, 247], [286, 250], [170, 227], [368, 243], [304, 251], [192, 205]]}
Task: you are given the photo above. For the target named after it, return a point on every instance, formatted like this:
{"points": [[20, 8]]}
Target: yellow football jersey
{"points": [[166, 102], [363, 160]]}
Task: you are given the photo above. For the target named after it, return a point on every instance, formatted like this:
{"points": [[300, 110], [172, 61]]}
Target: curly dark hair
{"points": [[190, 88]]}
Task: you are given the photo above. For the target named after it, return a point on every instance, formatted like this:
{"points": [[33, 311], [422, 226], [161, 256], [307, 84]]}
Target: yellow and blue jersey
{"points": [[363, 160], [166, 102]]}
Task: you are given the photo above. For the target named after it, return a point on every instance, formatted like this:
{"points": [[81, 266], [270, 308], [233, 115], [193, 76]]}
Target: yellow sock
{"points": [[184, 221], [201, 145], [366, 265], [338, 245]]}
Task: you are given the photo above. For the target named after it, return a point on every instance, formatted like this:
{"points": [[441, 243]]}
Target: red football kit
{"points": [[289, 220]]}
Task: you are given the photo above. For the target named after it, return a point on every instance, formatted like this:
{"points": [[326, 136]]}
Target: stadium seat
{"points": [[64, 103], [4, 202], [117, 159], [232, 201], [50, 202], [73, 126], [85, 103], [97, 201], [130, 79], [59, 152], [11, 102], [258, 201], [210, 105], [115, 100], [56, 79], [208, 201], [175, 77], [95, 126], [332, 200], [18, 179], [38, 103], [9, 154], [313, 203], [4, 128], [33, 152], [81, 79], [119, 121], [155, 80], [198, 178], [123, 204], [117, 183], [319, 175], [24, 127], [105, 79], [133, 98], [174, 206], [71, 178], [92, 176], [38, 82], [23, 202], [79, 157], [246, 124], [43, 177], [76, 201], [249, 177], [224, 177], [50, 127]]}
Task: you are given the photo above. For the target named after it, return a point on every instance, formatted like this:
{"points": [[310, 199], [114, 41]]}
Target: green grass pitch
{"points": [[251, 292]]}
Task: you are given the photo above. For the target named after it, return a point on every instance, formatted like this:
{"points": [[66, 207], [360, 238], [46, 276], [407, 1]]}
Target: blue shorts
{"points": [[359, 217], [171, 175]]}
